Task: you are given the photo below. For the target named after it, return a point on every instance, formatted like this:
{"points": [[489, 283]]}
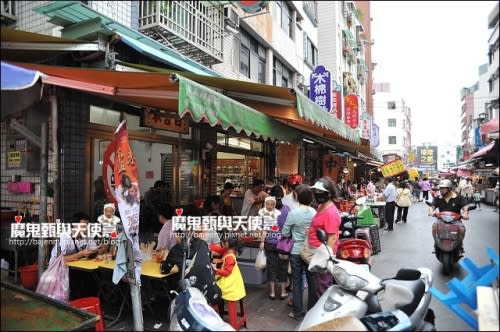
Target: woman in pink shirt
{"points": [[327, 218]]}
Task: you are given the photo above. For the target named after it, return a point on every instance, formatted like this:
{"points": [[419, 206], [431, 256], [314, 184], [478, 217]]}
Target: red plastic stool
{"points": [[93, 305], [236, 319]]}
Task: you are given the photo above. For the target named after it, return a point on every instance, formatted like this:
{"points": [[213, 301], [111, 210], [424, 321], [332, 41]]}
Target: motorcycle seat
{"points": [[404, 295]]}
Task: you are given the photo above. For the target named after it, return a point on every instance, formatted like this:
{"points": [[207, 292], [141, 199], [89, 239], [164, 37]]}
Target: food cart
{"points": [[25, 310]]}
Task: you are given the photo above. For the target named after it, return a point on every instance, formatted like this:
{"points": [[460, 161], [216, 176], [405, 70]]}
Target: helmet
{"points": [[294, 180], [445, 184]]}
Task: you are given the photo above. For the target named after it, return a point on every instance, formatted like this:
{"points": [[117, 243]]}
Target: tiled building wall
{"points": [[29, 20], [119, 11]]}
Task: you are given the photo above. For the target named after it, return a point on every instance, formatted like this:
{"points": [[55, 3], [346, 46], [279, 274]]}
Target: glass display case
{"points": [[240, 169]]}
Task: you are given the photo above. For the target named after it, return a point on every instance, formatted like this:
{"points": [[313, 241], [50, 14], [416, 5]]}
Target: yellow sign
{"points": [[14, 159], [413, 173], [392, 168]]}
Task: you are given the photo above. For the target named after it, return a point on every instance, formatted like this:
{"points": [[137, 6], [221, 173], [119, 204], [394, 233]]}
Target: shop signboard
{"points": [[365, 125], [375, 136], [427, 158], [351, 111], [320, 83], [164, 121], [392, 168], [337, 99]]}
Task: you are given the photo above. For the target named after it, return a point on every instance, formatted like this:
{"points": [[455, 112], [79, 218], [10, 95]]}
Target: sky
{"points": [[428, 51]]}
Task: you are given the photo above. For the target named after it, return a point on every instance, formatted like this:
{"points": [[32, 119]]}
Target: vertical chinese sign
{"points": [[351, 111], [127, 192], [320, 83], [375, 136], [365, 125], [337, 99]]}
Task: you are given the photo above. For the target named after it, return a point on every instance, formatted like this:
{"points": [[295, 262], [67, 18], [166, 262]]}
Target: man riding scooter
{"points": [[448, 200]]}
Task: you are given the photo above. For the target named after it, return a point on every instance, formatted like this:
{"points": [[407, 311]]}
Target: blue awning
{"points": [[17, 78]]}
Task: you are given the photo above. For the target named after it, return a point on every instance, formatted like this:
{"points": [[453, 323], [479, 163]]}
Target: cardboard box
{"points": [[251, 275]]}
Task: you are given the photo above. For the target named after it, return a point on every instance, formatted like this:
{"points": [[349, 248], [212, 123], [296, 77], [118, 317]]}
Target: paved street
{"points": [[409, 245]]}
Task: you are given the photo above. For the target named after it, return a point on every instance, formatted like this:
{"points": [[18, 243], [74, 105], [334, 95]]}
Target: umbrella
{"points": [[21, 88]]}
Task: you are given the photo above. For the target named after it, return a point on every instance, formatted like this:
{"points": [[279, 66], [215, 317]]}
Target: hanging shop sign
{"points": [[375, 136], [337, 99], [392, 168], [320, 83], [365, 125], [351, 111], [164, 121]]}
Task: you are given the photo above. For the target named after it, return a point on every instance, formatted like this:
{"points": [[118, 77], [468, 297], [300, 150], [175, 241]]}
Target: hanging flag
{"points": [[127, 195]]}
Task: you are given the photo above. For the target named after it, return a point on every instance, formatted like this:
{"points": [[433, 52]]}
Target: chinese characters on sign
{"points": [[337, 100], [427, 157], [320, 83], [375, 136], [365, 125], [351, 111], [223, 223], [392, 168]]}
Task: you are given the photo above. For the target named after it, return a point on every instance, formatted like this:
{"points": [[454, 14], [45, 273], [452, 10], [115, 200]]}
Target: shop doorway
{"points": [[240, 169]]}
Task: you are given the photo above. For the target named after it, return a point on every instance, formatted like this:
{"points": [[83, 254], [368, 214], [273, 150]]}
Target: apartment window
{"points": [[311, 10], [252, 58], [392, 139], [281, 75], [283, 16], [310, 52], [391, 122], [391, 105]]}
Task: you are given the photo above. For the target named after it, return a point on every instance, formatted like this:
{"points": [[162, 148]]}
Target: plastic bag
{"points": [[261, 260], [54, 282]]}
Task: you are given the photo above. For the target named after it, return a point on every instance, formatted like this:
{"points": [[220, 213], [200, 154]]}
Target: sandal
{"points": [[283, 296], [272, 297]]}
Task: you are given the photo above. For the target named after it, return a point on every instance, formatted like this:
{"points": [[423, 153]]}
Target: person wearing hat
{"points": [[327, 218], [291, 199], [108, 216]]}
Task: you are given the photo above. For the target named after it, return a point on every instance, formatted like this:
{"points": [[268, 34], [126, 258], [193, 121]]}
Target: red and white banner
{"points": [[351, 111], [127, 193]]}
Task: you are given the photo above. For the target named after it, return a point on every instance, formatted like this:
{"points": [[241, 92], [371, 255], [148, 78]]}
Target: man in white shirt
{"points": [[390, 203], [77, 247], [254, 198]]}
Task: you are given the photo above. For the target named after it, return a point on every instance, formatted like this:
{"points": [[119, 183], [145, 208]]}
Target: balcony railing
{"points": [[8, 12], [193, 28]]}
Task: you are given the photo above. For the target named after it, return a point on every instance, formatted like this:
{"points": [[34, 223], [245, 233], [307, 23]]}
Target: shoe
{"points": [[283, 296], [404, 221], [272, 297], [388, 229], [291, 315]]}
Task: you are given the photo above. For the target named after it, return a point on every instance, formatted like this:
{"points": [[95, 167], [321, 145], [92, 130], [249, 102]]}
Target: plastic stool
{"points": [[236, 319], [93, 305]]}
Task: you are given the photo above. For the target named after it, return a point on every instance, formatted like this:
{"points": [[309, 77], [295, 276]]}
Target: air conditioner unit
{"points": [[231, 17]]}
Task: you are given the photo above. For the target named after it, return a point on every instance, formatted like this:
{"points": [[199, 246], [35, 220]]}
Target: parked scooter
{"points": [[448, 232], [408, 291], [353, 247], [190, 311]]}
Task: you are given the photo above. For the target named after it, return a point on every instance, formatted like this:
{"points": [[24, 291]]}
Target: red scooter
{"points": [[354, 245], [448, 233]]}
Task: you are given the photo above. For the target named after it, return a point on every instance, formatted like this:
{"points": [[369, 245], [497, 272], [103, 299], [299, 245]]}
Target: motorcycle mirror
{"points": [[321, 235], [361, 200]]}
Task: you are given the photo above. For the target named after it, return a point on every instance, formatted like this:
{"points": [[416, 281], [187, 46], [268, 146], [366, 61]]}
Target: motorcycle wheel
{"points": [[447, 261]]}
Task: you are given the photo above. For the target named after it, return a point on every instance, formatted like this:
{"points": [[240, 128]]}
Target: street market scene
{"points": [[243, 165]]}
